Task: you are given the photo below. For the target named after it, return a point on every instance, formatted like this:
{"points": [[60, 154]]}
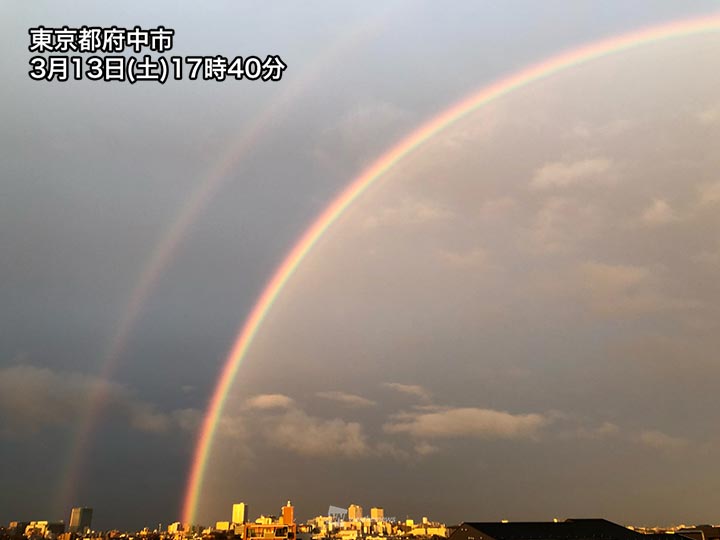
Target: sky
{"points": [[519, 321]]}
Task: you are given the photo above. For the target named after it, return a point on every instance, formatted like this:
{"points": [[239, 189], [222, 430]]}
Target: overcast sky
{"points": [[519, 321]]}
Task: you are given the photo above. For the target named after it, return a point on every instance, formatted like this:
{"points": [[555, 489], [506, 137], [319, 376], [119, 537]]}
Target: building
{"points": [[355, 511], [80, 520], [701, 532], [570, 529], [288, 514], [428, 530], [377, 514], [44, 529], [240, 513], [272, 531], [17, 528]]}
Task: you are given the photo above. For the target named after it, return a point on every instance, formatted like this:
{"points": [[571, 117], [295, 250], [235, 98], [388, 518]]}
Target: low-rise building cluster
{"points": [[352, 523]]}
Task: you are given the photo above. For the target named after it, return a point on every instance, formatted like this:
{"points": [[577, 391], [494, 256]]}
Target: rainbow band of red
{"points": [[358, 186]]}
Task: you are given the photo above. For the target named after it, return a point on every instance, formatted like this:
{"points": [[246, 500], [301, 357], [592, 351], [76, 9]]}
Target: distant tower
{"points": [[288, 514], [377, 513], [240, 513], [355, 512], [80, 520]]}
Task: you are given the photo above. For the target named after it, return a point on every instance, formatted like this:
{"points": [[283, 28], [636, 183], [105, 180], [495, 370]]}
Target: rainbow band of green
{"points": [[358, 186]]}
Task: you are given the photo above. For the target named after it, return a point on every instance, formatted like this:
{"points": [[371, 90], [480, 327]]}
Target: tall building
{"points": [[288, 514], [80, 519], [355, 512], [377, 513], [240, 513]]}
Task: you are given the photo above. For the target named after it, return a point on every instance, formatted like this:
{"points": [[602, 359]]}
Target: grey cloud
{"points": [[476, 258], [392, 450], [467, 422], [407, 213], [145, 417], [307, 435], [409, 389], [561, 174], [625, 289], [425, 449], [34, 398], [279, 421], [187, 419], [604, 430], [709, 116], [710, 193], [350, 400], [560, 224], [663, 441], [707, 257], [658, 213], [269, 401]]}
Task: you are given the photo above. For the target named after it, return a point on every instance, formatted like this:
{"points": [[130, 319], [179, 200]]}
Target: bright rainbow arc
{"points": [[358, 186]]}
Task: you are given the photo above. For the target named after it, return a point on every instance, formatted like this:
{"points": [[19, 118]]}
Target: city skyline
{"points": [[335, 520]]}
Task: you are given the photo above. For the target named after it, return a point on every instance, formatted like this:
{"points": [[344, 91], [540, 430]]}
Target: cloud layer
{"points": [[467, 422], [34, 398]]}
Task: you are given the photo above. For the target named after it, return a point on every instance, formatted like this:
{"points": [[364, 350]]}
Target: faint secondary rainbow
{"points": [[170, 241], [358, 186]]}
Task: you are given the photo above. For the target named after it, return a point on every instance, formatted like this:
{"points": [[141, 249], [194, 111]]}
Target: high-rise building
{"points": [[288, 514], [240, 513], [377, 513], [80, 520], [355, 511]]}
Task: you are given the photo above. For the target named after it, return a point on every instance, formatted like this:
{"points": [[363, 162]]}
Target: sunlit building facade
{"points": [[80, 519]]}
